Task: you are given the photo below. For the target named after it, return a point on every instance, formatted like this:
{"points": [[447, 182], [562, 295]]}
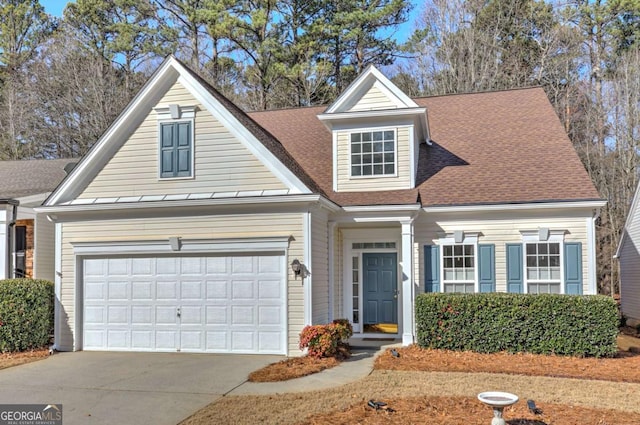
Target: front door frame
{"points": [[361, 235], [366, 283]]}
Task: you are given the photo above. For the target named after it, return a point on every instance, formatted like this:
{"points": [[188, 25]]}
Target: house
{"points": [[27, 238], [629, 259], [192, 226]]}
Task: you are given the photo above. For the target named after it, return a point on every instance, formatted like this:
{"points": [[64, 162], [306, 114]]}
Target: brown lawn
{"points": [[15, 359], [440, 387]]}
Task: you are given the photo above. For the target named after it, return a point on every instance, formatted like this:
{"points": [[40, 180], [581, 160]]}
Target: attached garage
{"points": [[234, 303]]}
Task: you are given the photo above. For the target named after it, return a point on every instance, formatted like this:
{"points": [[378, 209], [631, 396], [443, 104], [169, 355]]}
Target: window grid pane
{"points": [[459, 268], [543, 267], [373, 153]]}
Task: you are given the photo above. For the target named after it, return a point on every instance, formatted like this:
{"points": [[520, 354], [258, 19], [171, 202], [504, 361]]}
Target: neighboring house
{"points": [[628, 254], [27, 238], [192, 226]]}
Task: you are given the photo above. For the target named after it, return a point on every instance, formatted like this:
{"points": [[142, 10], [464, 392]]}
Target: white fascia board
{"points": [[627, 222], [262, 200], [381, 208], [245, 137], [514, 207], [376, 113], [371, 72], [116, 134]]}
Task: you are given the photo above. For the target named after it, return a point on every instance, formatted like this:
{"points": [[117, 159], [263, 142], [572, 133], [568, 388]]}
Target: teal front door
{"points": [[380, 288]]}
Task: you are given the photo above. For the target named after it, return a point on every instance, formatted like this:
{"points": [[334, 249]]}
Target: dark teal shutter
{"points": [[573, 268], [175, 149], [431, 268], [515, 281], [487, 267]]}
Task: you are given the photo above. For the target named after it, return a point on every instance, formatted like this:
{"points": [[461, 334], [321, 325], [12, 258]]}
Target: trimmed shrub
{"points": [[572, 325], [326, 340], [26, 314]]}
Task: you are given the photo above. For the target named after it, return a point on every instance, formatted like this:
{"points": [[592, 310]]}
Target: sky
{"points": [[55, 7]]}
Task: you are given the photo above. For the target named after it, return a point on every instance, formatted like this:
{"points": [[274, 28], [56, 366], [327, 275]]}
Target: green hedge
{"points": [[573, 325], [26, 314]]}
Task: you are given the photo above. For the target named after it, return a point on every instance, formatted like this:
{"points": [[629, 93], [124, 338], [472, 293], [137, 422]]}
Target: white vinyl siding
{"points": [[630, 269], [222, 163], [44, 248], [214, 227], [401, 179], [499, 228], [373, 99], [320, 265]]}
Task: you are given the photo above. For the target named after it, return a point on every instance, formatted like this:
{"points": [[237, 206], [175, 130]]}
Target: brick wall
{"points": [[30, 242]]}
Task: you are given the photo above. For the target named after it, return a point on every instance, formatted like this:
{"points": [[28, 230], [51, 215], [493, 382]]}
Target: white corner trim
{"points": [[591, 255], [331, 261], [334, 144], [307, 282], [57, 270], [256, 147], [413, 160]]}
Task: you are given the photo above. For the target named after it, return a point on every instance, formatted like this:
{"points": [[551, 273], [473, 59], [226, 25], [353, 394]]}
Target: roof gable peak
{"points": [[371, 79]]}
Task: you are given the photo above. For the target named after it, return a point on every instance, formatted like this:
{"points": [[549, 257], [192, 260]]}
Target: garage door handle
{"points": [[178, 313]]}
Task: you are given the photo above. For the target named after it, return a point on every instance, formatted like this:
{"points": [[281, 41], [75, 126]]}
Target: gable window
{"points": [[373, 153], [458, 264], [543, 267], [176, 149]]}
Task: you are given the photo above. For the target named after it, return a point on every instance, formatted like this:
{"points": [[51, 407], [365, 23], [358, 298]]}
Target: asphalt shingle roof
{"points": [[31, 177], [488, 148]]}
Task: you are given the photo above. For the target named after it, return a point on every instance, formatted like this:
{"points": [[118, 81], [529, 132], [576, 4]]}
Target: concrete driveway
{"points": [[127, 388]]}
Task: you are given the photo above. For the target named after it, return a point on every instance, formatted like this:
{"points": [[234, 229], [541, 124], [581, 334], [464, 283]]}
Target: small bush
{"points": [[326, 340], [26, 314], [571, 325]]}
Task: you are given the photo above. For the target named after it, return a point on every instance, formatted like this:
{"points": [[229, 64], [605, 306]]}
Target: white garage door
{"points": [[217, 304]]}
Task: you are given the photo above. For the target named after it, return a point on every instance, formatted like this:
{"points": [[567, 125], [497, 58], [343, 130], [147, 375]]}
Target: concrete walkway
{"points": [[357, 367]]}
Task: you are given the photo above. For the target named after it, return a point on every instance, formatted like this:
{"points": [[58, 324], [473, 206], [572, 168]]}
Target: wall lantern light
{"points": [[296, 267]]}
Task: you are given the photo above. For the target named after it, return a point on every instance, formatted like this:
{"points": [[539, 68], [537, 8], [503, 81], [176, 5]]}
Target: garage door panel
{"points": [[196, 304], [117, 291]]}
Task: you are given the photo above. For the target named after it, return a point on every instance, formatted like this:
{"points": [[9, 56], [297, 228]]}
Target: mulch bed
{"points": [[291, 368], [15, 359], [625, 367], [469, 411]]}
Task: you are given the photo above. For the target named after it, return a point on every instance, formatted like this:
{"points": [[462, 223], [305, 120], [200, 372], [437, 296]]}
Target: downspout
{"points": [[10, 248]]}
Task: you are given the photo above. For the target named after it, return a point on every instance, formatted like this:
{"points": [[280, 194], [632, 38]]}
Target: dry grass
{"points": [[607, 393], [295, 367], [16, 359]]}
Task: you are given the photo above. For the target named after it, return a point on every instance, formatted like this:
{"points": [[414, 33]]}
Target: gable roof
{"points": [[499, 147], [255, 138], [31, 177]]}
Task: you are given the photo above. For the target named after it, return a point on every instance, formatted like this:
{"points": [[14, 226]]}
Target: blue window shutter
{"points": [[515, 281], [175, 149], [432, 268], [487, 267], [573, 268], [167, 150], [183, 149]]}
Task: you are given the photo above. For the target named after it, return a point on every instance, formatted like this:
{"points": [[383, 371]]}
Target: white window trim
{"points": [[469, 239], [395, 152], [532, 236], [187, 115], [362, 236]]}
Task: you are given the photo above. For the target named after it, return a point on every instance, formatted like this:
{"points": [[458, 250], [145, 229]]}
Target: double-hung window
{"points": [[373, 153], [543, 267], [459, 268]]}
